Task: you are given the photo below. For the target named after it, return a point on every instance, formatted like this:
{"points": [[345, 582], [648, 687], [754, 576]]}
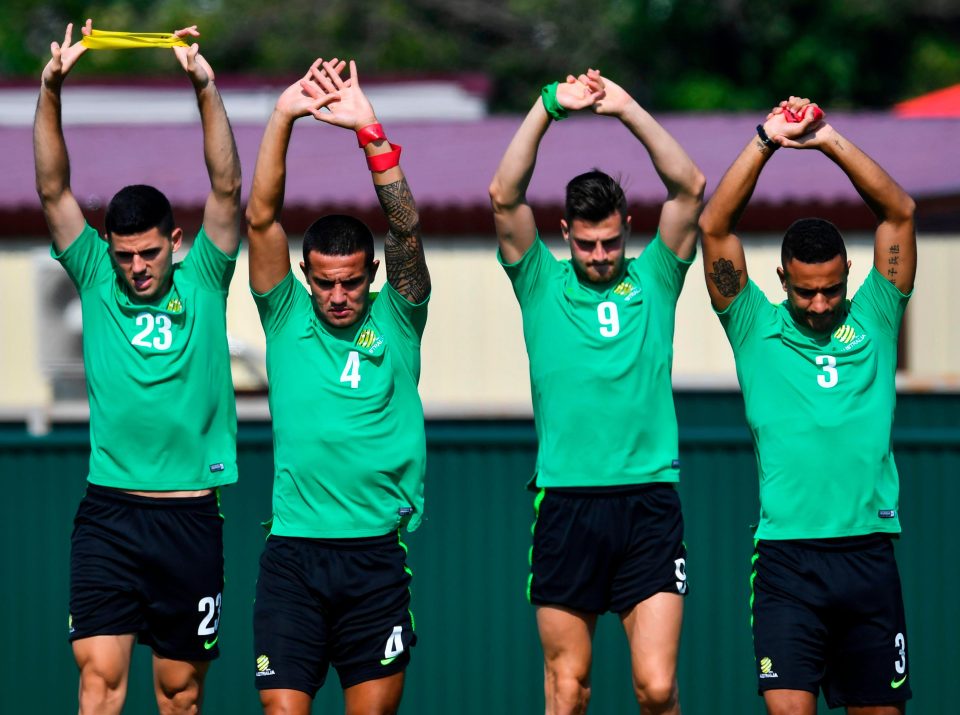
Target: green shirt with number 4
{"points": [[348, 437], [820, 409], [601, 358], [162, 412]]}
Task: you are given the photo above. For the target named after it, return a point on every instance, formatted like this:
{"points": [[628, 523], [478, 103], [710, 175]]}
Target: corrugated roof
{"points": [[449, 165]]}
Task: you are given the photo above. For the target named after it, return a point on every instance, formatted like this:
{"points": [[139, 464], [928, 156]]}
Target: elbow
{"points": [[501, 199], [905, 209], [697, 185], [709, 225], [228, 188], [258, 219]]}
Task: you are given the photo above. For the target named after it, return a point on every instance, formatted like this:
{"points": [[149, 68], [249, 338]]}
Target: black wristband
{"points": [[765, 140]]}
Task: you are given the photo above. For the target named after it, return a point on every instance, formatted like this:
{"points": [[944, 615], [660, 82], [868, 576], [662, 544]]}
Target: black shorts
{"points": [[829, 613], [339, 601], [149, 566], [608, 548]]}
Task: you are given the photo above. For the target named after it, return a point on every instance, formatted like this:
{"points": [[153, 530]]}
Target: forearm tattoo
{"points": [[726, 278], [406, 263]]}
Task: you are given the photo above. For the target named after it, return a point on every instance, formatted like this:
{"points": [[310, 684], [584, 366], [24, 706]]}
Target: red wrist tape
{"points": [[796, 117], [370, 133], [388, 160]]}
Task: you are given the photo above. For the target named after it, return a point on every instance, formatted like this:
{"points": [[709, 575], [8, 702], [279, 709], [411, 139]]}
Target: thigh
{"points": [[106, 591], [653, 631], [290, 629], [790, 636], [567, 639], [372, 626], [868, 664], [572, 560], [105, 659], [655, 557], [183, 578], [374, 696]]}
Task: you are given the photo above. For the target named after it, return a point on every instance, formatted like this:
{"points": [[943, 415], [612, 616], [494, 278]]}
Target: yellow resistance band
{"points": [[109, 40]]}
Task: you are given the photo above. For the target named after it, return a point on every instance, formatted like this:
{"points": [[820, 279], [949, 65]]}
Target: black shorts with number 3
{"points": [[151, 567], [607, 548], [828, 613]]}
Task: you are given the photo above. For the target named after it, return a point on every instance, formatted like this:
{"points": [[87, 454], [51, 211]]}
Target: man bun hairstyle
{"points": [[812, 240], [139, 208], [593, 196], [338, 235]]}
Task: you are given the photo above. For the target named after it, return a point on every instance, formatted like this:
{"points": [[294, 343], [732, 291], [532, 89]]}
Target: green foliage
{"points": [[671, 54]]}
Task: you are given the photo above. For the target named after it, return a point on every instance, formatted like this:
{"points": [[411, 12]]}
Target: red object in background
{"points": [[942, 103]]}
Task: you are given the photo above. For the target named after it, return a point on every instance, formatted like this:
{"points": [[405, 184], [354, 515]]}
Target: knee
{"points": [[178, 698], [102, 689], [567, 692], [657, 695]]}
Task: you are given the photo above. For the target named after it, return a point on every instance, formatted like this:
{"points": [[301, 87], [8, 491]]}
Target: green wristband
{"points": [[549, 96]]}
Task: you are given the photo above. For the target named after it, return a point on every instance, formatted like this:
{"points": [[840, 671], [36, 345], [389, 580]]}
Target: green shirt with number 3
{"points": [[820, 409]]}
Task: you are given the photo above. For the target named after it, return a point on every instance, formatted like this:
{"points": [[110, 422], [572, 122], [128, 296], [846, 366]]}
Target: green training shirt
{"points": [[348, 437], [820, 408], [162, 412], [600, 363]]}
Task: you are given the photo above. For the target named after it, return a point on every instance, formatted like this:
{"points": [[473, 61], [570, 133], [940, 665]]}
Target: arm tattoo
{"points": [[892, 262], [406, 264], [726, 278]]}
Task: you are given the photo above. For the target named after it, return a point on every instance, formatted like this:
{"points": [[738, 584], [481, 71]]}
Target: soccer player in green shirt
{"points": [[147, 547], [349, 443], [817, 373], [599, 336]]}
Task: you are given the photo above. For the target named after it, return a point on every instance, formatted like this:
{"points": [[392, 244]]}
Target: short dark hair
{"points": [[812, 240], [593, 196], [139, 208], [338, 235]]}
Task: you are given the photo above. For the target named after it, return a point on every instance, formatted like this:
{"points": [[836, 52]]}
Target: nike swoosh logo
{"points": [[387, 661], [210, 644], [898, 683]]}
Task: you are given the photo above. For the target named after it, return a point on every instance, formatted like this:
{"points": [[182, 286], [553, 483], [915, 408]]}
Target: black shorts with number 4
{"points": [[607, 548], [151, 567], [344, 602], [829, 613]]}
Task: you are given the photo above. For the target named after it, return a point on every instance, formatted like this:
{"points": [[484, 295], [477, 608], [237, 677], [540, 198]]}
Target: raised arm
{"points": [[221, 215], [406, 263], [512, 215], [895, 240], [724, 263], [681, 177], [52, 163], [269, 251]]}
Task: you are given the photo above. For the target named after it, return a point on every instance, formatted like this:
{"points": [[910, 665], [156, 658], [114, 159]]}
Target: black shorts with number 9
{"points": [[607, 548]]}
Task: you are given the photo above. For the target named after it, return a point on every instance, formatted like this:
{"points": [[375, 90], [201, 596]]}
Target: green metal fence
{"points": [[478, 649]]}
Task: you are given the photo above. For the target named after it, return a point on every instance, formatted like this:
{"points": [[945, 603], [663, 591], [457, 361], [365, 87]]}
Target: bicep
{"points": [[221, 221], [725, 268], [678, 224], [516, 231], [65, 220], [269, 257], [895, 254]]}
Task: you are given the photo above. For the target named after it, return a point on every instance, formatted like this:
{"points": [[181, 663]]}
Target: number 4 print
{"points": [[351, 371]]}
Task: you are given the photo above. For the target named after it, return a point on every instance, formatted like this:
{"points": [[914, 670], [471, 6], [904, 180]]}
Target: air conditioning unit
{"points": [[59, 327]]}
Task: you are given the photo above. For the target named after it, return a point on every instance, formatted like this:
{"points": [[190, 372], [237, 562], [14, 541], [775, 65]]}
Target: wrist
{"points": [[548, 95], [369, 132], [765, 140]]}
